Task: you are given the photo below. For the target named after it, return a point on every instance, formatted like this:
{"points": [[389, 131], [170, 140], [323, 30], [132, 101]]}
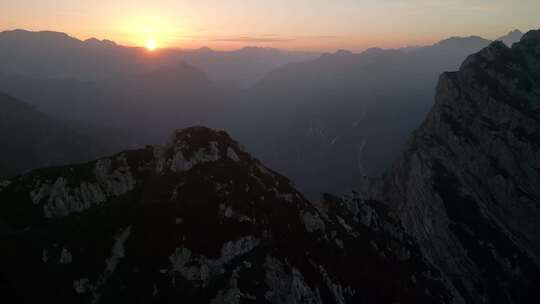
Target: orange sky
{"points": [[322, 25]]}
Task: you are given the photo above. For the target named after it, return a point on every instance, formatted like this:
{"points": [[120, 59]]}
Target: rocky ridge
{"points": [[468, 186], [199, 220]]}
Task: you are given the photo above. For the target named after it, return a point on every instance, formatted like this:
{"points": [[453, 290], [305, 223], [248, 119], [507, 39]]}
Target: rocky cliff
{"points": [[468, 186], [199, 221]]}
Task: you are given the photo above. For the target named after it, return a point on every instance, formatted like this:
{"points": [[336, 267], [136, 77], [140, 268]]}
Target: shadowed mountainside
{"points": [[199, 220], [31, 139], [467, 187]]}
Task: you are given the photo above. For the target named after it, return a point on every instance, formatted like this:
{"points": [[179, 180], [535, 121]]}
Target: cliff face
{"points": [[468, 186], [198, 220]]}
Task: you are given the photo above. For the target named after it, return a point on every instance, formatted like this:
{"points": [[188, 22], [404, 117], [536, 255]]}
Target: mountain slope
{"points": [[161, 100], [468, 186], [31, 139], [361, 107], [199, 220]]}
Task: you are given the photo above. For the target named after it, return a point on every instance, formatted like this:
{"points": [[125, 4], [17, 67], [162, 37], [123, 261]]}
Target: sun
{"points": [[151, 45]]}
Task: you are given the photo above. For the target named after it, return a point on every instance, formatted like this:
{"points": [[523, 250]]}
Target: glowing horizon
{"points": [[310, 25]]}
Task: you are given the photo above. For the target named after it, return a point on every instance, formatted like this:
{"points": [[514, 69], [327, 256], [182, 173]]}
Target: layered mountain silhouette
{"points": [[455, 220], [361, 107], [153, 103], [57, 55], [31, 139], [244, 67]]}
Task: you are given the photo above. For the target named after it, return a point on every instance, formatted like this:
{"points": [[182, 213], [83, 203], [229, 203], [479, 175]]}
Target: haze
{"points": [[317, 25]]}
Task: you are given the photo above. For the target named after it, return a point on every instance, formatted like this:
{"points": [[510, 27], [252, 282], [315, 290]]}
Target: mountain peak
{"points": [[343, 52], [217, 227], [194, 145], [373, 50], [49, 35], [196, 135], [511, 38], [493, 52], [531, 38], [455, 42], [205, 49], [97, 42], [338, 55]]}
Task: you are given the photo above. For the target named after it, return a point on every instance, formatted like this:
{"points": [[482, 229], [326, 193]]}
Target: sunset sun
{"points": [[151, 45]]}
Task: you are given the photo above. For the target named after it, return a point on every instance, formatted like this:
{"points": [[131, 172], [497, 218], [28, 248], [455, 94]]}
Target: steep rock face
{"points": [[198, 220], [344, 115], [468, 187]]}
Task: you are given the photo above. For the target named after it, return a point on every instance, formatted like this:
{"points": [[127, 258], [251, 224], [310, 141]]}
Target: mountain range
{"points": [[57, 55], [361, 107], [455, 219]]}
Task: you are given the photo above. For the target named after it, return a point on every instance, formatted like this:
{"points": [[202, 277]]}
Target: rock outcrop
{"points": [[199, 221], [468, 186]]}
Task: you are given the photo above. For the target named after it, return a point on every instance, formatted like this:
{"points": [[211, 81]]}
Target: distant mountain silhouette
{"points": [[460, 43], [155, 102], [244, 67], [31, 139], [511, 38], [297, 118], [57, 55]]}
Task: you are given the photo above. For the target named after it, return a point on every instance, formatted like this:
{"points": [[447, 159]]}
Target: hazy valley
{"points": [[358, 106]]}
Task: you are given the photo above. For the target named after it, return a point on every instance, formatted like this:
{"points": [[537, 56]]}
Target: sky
{"points": [[316, 25]]}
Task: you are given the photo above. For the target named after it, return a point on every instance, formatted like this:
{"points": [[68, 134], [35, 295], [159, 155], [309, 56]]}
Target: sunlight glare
{"points": [[151, 45]]}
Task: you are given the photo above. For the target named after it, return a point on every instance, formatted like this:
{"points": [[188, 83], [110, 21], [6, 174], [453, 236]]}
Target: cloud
{"points": [[462, 5], [268, 38], [252, 39]]}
